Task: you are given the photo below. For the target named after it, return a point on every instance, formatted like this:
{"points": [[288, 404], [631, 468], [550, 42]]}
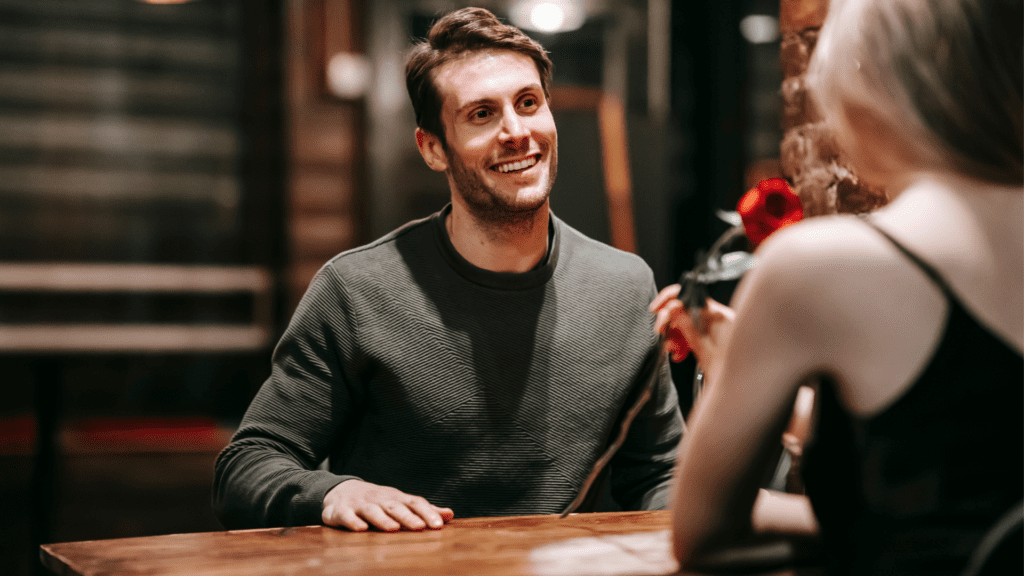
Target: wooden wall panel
{"points": [[326, 137]]}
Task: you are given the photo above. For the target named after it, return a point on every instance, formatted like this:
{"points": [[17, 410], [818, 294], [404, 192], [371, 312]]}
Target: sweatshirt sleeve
{"points": [[268, 474], [641, 470]]}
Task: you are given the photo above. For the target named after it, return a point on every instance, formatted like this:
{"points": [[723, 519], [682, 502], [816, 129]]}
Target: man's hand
{"points": [[354, 503]]}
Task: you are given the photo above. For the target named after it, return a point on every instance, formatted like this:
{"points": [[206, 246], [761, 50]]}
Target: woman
{"points": [[912, 318]]}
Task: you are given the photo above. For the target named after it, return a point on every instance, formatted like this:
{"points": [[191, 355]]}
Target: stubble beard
{"points": [[488, 207]]}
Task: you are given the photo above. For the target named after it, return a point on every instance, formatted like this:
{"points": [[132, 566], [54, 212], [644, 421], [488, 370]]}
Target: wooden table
{"points": [[613, 543]]}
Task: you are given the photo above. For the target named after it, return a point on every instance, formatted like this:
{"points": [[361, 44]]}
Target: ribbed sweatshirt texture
{"points": [[490, 393]]}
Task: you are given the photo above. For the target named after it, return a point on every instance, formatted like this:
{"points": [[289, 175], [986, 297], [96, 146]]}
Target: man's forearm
{"points": [[257, 485]]}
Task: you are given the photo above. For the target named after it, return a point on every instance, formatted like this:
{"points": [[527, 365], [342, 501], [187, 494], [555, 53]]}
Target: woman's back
{"points": [[888, 313], [911, 486]]}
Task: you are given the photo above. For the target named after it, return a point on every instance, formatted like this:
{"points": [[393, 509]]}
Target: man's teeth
{"points": [[511, 166]]}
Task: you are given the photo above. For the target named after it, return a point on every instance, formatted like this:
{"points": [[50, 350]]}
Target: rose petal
{"points": [[769, 206]]}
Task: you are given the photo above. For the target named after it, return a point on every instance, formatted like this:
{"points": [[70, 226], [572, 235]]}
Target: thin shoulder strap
{"points": [[925, 267], [1006, 527]]}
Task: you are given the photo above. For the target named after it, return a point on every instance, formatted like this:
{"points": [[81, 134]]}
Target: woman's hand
{"points": [[669, 312], [673, 322]]}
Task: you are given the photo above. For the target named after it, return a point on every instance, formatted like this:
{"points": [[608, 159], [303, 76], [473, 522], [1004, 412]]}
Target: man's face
{"points": [[501, 155]]}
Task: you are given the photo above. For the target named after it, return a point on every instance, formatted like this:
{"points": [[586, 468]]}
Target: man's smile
{"points": [[517, 165]]}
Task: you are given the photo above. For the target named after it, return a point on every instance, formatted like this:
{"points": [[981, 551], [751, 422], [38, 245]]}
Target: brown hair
{"points": [[458, 33], [944, 77]]}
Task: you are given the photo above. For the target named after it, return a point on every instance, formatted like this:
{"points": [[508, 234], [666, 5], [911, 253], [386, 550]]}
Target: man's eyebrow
{"points": [[481, 101], [474, 104], [529, 88]]}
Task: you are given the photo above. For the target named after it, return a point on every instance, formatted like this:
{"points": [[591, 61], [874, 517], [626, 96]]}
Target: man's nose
{"points": [[513, 130]]}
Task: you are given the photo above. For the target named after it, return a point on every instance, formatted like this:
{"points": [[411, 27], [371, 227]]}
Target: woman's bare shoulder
{"points": [[839, 280], [821, 257]]}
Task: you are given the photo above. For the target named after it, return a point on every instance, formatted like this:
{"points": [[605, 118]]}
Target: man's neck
{"points": [[499, 247]]}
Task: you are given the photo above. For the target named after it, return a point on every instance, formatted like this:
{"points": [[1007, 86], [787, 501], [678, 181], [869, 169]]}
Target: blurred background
{"points": [[172, 174]]}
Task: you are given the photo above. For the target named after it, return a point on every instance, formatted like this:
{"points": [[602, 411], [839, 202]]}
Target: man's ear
{"points": [[431, 149]]}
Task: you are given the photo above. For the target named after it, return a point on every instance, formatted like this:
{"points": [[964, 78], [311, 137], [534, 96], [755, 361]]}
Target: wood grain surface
{"points": [[617, 543]]}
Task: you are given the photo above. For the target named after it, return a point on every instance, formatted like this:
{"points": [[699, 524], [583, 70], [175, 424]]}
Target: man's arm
{"points": [[641, 470], [267, 475]]}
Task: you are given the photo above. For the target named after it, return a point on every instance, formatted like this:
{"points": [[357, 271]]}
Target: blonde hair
{"points": [[939, 80]]}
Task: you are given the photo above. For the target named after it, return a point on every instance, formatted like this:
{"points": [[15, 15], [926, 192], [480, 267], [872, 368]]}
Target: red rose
{"points": [[767, 207]]}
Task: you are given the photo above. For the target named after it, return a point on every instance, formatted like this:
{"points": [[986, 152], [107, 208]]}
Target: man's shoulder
{"points": [[591, 256], [385, 250]]}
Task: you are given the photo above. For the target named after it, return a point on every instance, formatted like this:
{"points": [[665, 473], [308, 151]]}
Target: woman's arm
{"points": [[754, 366], [782, 513]]}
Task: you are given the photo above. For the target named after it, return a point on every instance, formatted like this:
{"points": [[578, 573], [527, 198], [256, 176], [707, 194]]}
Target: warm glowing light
{"points": [[759, 28], [349, 75], [547, 15]]}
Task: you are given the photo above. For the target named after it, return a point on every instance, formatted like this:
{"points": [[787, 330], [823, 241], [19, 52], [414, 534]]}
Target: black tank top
{"points": [[912, 489]]}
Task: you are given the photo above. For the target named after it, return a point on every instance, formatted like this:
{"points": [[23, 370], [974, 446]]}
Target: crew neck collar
{"points": [[488, 278]]}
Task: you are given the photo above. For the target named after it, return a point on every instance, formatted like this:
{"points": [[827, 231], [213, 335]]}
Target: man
{"points": [[476, 361]]}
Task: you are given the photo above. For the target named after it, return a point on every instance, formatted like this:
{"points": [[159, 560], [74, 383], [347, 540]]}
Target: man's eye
{"points": [[529, 102], [481, 114]]}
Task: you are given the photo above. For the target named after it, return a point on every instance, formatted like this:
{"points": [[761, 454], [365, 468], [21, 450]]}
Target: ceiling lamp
{"points": [[547, 16]]}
